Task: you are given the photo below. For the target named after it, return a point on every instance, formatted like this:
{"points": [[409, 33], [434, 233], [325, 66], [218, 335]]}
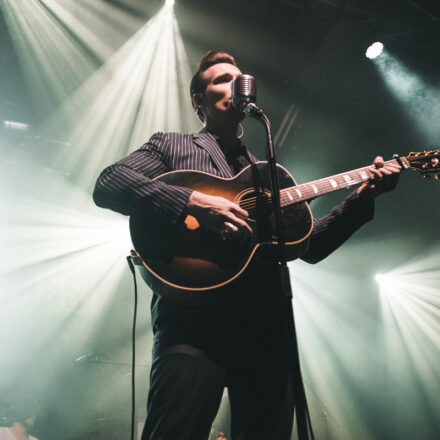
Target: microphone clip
{"points": [[253, 110]]}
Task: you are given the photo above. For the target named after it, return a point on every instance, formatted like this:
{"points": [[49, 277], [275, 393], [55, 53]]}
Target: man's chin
{"points": [[231, 109], [236, 115]]}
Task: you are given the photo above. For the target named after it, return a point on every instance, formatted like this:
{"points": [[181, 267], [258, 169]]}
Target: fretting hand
{"points": [[386, 176]]}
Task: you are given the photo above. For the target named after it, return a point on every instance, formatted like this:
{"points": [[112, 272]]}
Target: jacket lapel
{"points": [[209, 143]]}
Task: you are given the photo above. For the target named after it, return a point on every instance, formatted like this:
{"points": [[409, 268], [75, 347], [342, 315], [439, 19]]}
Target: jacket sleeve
{"points": [[331, 231], [127, 186]]}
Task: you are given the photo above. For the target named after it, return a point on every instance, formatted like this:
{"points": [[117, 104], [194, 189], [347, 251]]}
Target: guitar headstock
{"points": [[425, 162]]}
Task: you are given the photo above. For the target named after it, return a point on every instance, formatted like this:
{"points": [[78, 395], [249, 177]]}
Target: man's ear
{"points": [[197, 100]]}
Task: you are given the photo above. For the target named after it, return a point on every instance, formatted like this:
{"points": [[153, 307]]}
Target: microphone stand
{"points": [[304, 426]]}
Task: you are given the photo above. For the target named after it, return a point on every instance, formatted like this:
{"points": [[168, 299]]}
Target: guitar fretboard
{"points": [[310, 190]]}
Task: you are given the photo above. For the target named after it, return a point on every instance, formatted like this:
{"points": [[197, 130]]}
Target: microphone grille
{"points": [[244, 91], [245, 85]]}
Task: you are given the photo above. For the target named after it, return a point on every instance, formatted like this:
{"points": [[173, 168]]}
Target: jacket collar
{"points": [[208, 142]]}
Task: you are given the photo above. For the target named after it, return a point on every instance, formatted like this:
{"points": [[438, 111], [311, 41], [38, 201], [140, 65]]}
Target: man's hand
{"points": [[219, 215], [385, 179]]}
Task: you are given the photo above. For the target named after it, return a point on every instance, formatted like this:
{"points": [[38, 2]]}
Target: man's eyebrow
{"points": [[222, 77]]}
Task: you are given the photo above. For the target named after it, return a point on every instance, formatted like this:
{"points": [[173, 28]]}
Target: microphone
{"points": [[244, 94]]}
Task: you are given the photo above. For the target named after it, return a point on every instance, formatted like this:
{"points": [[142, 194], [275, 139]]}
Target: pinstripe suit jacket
{"points": [[126, 187]]}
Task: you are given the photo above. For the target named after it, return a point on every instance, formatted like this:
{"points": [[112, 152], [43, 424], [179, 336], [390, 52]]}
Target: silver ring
{"points": [[226, 230], [228, 227]]}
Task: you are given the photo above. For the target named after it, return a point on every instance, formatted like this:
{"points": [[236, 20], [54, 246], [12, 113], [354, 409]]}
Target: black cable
{"points": [[133, 348]]}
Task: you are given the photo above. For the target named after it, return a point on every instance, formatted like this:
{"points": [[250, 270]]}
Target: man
{"points": [[242, 343]]}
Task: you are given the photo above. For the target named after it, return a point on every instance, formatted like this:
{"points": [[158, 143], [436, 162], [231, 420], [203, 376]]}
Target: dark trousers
{"points": [[186, 388]]}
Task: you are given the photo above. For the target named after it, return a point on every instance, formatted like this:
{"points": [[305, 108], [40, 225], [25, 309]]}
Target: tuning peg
{"points": [[437, 176]]}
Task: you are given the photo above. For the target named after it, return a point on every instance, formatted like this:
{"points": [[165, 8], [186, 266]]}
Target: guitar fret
{"points": [[310, 190]]}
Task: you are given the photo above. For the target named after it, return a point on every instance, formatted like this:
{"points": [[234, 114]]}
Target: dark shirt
{"points": [[238, 158]]}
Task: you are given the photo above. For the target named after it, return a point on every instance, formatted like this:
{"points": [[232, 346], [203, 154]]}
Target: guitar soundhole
{"points": [[257, 204]]}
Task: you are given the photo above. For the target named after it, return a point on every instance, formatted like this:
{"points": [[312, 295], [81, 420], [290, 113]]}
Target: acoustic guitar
{"points": [[190, 264]]}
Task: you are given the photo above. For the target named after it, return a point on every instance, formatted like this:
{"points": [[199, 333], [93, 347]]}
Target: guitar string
{"points": [[251, 202], [307, 192], [305, 188]]}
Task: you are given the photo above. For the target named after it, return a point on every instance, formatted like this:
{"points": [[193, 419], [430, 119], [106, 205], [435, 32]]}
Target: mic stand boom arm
{"points": [[304, 426]]}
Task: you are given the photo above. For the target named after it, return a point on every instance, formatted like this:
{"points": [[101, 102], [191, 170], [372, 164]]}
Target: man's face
{"points": [[216, 102]]}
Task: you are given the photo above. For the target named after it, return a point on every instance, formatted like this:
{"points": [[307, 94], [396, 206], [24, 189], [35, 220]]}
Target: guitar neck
{"points": [[317, 188]]}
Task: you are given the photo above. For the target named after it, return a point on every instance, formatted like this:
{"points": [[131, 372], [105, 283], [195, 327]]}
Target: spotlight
{"points": [[14, 125], [169, 3], [374, 50], [379, 277]]}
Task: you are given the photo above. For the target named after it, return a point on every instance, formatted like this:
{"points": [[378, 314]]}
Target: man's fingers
{"points": [[243, 226], [378, 162], [380, 172], [240, 212], [385, 171], [238, 218], [392, 167], [380, 166], [376, 173], [239, 224], [231, 230], [384, 177]]}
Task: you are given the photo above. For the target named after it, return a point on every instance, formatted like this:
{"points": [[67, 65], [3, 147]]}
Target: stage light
{"points": [[411, 307], [14, 125], [383, 279], [169, 3], [374, 50]]}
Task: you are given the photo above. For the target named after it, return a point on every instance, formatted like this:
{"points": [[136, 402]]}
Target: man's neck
{"points": [[226, 134]]}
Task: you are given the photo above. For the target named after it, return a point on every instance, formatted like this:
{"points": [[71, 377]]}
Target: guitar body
{"points": [[187, 263]]}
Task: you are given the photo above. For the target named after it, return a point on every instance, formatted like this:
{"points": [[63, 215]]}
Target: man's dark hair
{"points": [[198, 84]]}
